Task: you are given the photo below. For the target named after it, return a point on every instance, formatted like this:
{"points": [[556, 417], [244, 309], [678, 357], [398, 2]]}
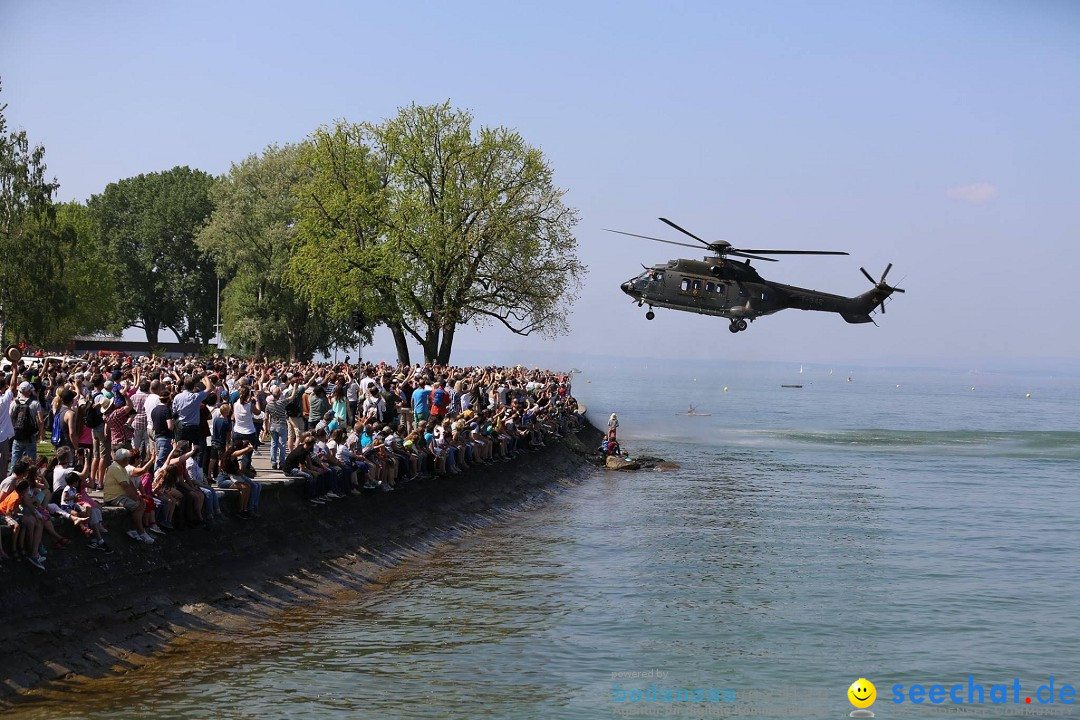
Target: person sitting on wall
{"points": [[235, 475], [120, 492], [300, 464]]}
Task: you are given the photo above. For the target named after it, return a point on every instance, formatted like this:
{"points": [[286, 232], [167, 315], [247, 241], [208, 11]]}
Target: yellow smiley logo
{"points": [[862, 693]]}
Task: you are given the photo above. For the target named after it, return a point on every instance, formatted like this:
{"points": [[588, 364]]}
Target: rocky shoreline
{"points": [[92, 615]]}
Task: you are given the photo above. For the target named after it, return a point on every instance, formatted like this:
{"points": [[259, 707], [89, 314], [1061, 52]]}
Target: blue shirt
{"points": [[186, 406], [220, 431], [422, 401]]}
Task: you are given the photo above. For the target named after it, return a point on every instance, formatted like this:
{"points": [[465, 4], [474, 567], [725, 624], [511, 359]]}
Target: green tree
{"points": [[337, 237], [25, 206], [151, 221], [435, 224], [73, 287], [250, 235]]}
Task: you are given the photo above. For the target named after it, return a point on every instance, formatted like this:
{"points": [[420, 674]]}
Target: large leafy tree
{"points": [[435, 223], [149, 223], [25, 206], [73, 286], [250, 235], [340, 259]]}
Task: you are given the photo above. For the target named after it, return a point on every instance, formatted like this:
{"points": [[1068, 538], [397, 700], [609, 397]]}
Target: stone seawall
{"points": [[91, 614]]}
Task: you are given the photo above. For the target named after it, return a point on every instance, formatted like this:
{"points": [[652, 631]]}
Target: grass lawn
{"points": [[45, 449]]}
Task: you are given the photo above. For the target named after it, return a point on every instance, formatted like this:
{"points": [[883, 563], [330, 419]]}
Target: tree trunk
{"points": [[431, 342], [401, 343], [447, 344]]}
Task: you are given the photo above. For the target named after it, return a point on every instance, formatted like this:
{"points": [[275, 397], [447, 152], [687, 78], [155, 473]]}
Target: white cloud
{"points": [[978, 193]]}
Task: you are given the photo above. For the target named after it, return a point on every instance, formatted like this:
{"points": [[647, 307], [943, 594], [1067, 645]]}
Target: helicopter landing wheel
{"points": [[650, 315], [741, 324]]}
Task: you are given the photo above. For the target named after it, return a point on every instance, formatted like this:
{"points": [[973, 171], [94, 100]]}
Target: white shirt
{"points": [[352, 392], [59, 477], [151, 402], [366, 384], [7, 431], [243, 419], [195, 472]]}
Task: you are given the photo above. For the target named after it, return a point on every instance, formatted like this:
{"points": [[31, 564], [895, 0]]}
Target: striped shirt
{"points": [[275, 409]]}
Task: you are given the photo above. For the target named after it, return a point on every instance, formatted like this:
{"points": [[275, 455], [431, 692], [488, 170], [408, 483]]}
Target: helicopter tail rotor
{"points": [[884, 290]]}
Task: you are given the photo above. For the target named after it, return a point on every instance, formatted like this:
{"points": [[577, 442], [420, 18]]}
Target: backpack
{"points": [[24, 422], [294, 408], [93, 417], [58, 427]]}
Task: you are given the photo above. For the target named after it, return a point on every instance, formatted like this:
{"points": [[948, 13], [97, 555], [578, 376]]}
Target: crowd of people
{"points": [[160, 437]]}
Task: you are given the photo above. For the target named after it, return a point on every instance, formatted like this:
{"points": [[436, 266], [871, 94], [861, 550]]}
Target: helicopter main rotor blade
{"points": [[646, 237], [794, 252], [685, 232], [740, 253]]}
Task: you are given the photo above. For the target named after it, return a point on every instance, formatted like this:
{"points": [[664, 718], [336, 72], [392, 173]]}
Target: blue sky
{"points": [[938, 136]]}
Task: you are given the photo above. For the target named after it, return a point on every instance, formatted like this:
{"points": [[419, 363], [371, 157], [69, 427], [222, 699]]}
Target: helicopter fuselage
{"points": [[731, 289]]}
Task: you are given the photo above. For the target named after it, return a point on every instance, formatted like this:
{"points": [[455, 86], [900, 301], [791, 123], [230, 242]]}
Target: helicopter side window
{"points": [[685, 285]]}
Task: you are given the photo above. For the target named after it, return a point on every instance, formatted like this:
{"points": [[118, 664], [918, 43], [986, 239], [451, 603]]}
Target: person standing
{"points": [[187, 409], [294, 409], [25, 422], [141, 439], [278, 420], [162, 424], [245, 407], [7, 432]]}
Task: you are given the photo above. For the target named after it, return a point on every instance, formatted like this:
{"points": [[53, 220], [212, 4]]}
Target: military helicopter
{"points": [[719, 285]]}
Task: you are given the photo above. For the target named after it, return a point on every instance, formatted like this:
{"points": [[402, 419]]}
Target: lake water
{"points": [[906, 526]]}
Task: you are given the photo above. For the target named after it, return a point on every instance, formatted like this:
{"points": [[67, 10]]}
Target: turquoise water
{"points": [[899, 526]]}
